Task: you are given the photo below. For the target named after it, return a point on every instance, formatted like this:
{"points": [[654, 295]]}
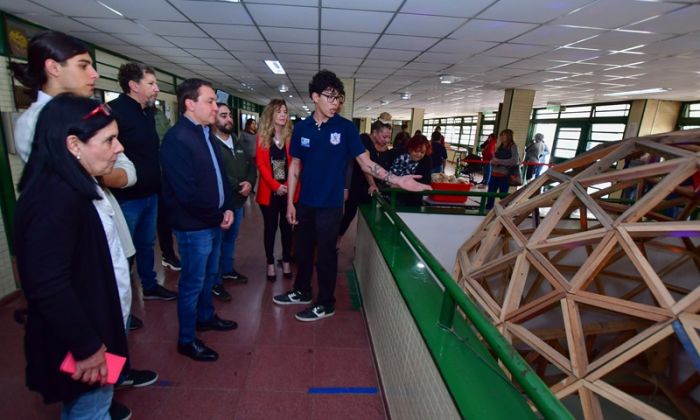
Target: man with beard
{"points": [[240, 171], [138, 135]]}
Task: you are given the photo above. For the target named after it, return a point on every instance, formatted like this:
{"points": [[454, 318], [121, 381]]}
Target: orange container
{"points": [[450, 187]]}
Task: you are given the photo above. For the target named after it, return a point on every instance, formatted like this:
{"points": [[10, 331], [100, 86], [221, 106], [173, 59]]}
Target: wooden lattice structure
{"points": [[592, 271]]}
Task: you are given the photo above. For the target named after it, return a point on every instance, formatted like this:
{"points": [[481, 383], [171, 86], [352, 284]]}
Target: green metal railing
{"points": [[453, 296], [481, 208]]}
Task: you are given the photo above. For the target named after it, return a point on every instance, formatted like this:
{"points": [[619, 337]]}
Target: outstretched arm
{"points": [[407, 182]]}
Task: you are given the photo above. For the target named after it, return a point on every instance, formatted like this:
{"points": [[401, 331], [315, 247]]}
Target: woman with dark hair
{"points": [[248, 136], [439, 155], [415, 161], [272, 158], [69, 256], [503, 165], [362, 185]]}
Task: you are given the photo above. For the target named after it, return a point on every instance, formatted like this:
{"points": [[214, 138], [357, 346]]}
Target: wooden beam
{"points": [[631, 348], [626, 401], [613, 304], [574, 338], [590, 404], [553, 356]]}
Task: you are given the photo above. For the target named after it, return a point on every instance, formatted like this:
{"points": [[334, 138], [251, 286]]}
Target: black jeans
{"points": [[351, 205], [318, 228], [275, 214]]}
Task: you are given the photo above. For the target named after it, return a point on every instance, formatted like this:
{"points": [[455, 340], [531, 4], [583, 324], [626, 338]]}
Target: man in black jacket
{"points": [[139, 203], [199, 205]]}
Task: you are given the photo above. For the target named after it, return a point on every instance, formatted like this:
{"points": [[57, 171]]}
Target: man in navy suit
{"points": [[199, 206]]}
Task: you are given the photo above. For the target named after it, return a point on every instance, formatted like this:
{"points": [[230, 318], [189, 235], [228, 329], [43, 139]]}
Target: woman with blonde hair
{"points": [[273, 159]]}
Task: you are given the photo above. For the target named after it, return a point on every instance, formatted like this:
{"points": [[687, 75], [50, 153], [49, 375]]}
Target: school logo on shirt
{"points": [[335, 139], [305, 142]]}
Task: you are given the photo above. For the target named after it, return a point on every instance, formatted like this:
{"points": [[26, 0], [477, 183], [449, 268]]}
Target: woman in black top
{"points": [[65, 259], [362, 186], [415, 161]]}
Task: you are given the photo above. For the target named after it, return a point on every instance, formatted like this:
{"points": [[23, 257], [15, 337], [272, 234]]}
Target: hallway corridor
{"points": [[271, 367]]}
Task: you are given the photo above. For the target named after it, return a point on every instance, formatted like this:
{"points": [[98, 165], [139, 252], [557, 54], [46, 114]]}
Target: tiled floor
{"points": [[266, 367]]}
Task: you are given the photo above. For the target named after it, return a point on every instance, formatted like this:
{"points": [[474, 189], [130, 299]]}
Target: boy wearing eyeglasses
{"points": [[321, 146]]}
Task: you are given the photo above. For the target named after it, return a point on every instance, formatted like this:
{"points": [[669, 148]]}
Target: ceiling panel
{"points": [[205, 54], [374, 5], [402, 42], [245, 33], [235, 45], [213, 12], [342, 51], [517, 50], [612, 14], [445, 7], [556, 35], [535, 11], [353, 39], [685, 44], [151, 9], [292, 48], [617, 40], [491, 30], [284, 16], [190, 42], [383, 53], [171, 28], [422, 25], [22, 6], [304, 36], [677, 22], [354, 20], [462, 48]]}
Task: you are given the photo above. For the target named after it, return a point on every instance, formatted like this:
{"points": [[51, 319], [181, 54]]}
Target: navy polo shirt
{"points": [[324, 153]]}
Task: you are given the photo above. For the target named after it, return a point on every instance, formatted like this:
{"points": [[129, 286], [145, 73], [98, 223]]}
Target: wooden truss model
{"points": [[592, 271]]}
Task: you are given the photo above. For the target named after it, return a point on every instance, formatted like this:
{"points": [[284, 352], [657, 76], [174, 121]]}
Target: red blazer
{"points": [[268, 184]]}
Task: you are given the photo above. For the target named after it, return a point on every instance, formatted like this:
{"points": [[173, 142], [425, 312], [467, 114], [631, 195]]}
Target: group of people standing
{"points": [[94, 179]]}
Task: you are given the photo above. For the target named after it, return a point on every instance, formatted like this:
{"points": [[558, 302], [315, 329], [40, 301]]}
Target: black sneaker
{"points": [[134, 323], [137, 378], [235, 277], [220, 293], [172, 263], [315, 313], [293, 298], [159, 293], [119, 411]]}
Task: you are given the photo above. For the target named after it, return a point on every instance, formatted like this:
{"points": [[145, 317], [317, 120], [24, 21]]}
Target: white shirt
{"points": [[121, 267], [26, 123]]}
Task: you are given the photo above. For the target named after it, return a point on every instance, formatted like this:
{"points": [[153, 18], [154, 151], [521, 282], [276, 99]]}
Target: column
{"points": [[348, 108], [416, 122], [515, 114]]}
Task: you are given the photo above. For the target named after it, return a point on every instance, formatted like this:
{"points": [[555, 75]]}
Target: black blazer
{"points": [[189, 184], [67, 277]]}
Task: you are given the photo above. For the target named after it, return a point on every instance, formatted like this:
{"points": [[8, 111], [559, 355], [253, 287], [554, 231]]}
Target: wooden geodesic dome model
{"points": [[592, 271]]}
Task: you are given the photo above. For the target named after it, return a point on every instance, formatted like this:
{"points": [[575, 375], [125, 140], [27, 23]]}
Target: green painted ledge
{"points": [[476, 383]]}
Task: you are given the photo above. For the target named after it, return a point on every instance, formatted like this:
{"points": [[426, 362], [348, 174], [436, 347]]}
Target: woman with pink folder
{"points": [[68, 256]]}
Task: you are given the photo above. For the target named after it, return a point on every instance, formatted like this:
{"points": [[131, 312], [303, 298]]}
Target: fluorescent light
{"points": [[109, 8], [275, 66], [405, 96], [638, 92], [447, 79], [283, 87]]}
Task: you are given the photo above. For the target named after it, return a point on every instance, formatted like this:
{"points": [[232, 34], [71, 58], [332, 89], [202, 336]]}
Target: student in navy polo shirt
{"points": [[320, 148]]}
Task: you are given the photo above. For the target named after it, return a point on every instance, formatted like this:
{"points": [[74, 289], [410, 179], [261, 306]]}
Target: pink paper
{"points": [[115, 364]]}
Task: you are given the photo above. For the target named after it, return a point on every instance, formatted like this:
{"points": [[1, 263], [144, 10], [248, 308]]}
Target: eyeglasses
{"points": [[103, 109], [333, 98]]}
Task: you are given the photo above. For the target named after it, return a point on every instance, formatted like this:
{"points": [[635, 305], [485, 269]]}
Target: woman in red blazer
{"points": [[273, 159]]}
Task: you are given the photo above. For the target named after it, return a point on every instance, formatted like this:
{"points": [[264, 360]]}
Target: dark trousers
{"points": [[275, 214], [165, 232], [353, 202], [497, 184], [318, 228]]}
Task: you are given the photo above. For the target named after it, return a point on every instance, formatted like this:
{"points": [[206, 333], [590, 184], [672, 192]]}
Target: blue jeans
{"points": [[228, 243], [487, 174], [199, 253], [141, 217], [497, 184], [93, 405]]}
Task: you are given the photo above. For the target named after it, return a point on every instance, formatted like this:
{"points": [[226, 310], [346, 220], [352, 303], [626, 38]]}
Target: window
{"points": [[616, 110], [576, 112], [602, 133], [690, 116], [567, 142]]}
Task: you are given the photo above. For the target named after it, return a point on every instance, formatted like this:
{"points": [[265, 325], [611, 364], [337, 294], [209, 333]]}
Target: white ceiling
{"points": [[569, 51]]}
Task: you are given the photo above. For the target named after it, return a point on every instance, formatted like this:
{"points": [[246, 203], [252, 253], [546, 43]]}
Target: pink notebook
{"points": [[115, 364]]}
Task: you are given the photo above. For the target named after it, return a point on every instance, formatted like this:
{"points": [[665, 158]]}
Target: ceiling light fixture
{"points": [[447, 79], [639, 92], [109, 8], [283, 88], [405, 96], [275, 66]]}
